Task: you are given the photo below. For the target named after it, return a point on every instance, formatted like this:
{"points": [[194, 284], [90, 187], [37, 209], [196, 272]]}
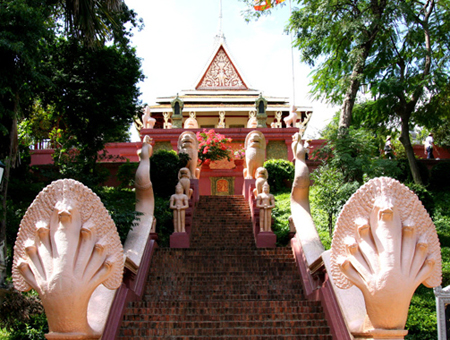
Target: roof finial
{"points": [[220, 34]]}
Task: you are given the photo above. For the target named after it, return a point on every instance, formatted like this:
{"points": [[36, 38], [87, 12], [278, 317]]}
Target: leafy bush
{"points": [[120, 203], [421, 322], [23, 316], [405, 175], [164, 166], [424, 195], [439, 176], [127, 173], [281, 175], [164, 221], [331, 193], [280, 215]]}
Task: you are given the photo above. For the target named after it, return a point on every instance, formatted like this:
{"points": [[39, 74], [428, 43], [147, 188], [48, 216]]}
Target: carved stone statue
{"points": [[265, 202], [179, 202], [301, 178], [66, 246], [277, 121], [252, 122], [147, 119], [191, 122], [221, 124], [292, 118], [145, 205], [255, 153], [385, 244], [167, 124], [145, 201], [261, 176], [187, 143], [184, 176]]}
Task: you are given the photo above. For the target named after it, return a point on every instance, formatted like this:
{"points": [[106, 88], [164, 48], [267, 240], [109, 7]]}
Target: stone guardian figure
{"points": [[179, 202], [66, 246], [386, 244], [265, 202]]}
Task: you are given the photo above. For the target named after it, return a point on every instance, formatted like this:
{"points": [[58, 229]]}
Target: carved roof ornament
{"points": [[66, 246], [221, 74], [386, 244]]}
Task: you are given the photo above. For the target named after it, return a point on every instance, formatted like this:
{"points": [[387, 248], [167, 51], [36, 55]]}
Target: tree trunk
{"points": [[406, 141], [9, 162], [350, 97]]}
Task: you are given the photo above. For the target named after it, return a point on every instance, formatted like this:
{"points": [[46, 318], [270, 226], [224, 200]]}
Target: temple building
{"points": [[221, 98]]}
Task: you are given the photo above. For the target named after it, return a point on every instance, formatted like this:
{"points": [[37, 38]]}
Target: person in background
{"points": [[429, 146], [388, 148]]}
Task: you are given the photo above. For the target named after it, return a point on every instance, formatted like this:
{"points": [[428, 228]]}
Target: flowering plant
{"points": [[212, 146], [239, 154]]}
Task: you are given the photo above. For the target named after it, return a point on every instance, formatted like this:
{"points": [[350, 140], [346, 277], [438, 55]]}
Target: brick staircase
{"points": [[223, 287]]}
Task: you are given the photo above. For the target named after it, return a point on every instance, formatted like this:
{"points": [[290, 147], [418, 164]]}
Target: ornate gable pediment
{"points": [[221, 74]]}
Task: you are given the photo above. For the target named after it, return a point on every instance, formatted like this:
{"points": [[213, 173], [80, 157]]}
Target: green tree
{"points": [[27, 27], [94, 95], [400, 47]]}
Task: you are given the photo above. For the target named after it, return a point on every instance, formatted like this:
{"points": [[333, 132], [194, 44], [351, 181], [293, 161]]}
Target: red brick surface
{"points": [[223, 287]]}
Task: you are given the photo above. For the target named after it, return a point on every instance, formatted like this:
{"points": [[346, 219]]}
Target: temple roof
{"points": [[221, 71]]}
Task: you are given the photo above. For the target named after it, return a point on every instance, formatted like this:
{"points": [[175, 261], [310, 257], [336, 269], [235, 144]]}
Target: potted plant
{"points": [[212, 146], [239, 157]]}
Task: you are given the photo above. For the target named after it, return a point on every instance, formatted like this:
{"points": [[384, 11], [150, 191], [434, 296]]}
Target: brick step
{"points": [[226, 307], [205, 322], [227, 337], [238, 332], [221, 296]]}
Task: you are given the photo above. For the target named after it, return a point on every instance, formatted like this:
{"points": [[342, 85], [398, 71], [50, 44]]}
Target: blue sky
{"points": [[178, 39]]}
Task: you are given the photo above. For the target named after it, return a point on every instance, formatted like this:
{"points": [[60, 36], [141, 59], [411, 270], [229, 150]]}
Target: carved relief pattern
{"points": [[94, 218], [222, 186], [66, 246], [221, 74], [386, 244], [358, 210]]}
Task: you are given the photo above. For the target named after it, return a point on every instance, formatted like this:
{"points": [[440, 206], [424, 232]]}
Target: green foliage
{"points": [[355, 155], [440, 179], [23, 316], [280, 215], [164, 221], [424, 195], [95, 96], [281, 175], [127, 173], [120, 203], [164, 168], [421, 322], [405, 174], [331, 193]]}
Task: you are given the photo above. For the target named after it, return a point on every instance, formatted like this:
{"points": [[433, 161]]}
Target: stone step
{"points": [[223, 287]]}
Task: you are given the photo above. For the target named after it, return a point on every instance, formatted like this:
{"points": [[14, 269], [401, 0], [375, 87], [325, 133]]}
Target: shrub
{"points": [[127, 173], [164, 171], [120, 203], [164, 221], [405, 174], [280, 215], [23, 315], [439, 176], [424, 196], [331, 192], [281, 173]]}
